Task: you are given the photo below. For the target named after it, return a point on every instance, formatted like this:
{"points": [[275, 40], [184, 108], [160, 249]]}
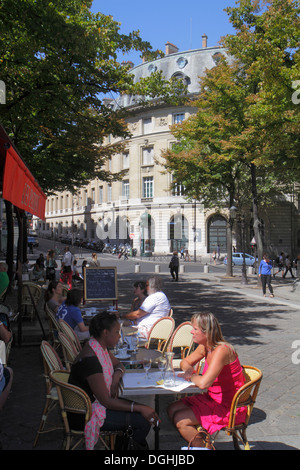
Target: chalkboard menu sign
{"points": [[100, 283]]}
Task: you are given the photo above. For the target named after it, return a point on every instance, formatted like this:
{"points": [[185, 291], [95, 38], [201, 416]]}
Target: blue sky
{"points": [[160, 21]]}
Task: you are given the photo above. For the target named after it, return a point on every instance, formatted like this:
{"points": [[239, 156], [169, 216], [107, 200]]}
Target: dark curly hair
{"points": [[102, 321]]}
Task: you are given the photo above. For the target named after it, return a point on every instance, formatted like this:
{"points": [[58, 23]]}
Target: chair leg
{"points": [[49, 406], [242, 439]]}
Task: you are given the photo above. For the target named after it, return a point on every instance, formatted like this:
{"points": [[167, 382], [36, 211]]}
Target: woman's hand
{"points": [[148, 413], [187, 374]]}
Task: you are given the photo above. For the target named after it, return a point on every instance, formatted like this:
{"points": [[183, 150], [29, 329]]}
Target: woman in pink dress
{"points": [[222, 376]]}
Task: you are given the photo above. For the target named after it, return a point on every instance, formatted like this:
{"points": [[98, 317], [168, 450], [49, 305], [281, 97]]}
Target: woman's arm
{"points": [[99, 389], [5, 334], [187, 364]]}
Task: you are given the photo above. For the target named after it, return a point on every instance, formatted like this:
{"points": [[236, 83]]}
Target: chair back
{"points": [[50, 356], [161, 332], [181, 338], [71, 399], [69, 351], [246, 395], [68, 331], [54, 326], [171, 312], [35, 291]]}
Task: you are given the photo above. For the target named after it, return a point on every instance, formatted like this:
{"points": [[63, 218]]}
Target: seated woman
{"points": [[6, 378], [140, 293], [70, 312], [222, 377], [98, 372], [6, 373], [54, 295]]}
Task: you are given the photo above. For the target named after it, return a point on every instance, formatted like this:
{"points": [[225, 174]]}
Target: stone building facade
{"points": [[142, 209]]}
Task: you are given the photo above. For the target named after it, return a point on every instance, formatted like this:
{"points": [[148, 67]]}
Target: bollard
{"points": [[157, 268], [137, 268], [182, 268], [250, 269], [206, 268]]}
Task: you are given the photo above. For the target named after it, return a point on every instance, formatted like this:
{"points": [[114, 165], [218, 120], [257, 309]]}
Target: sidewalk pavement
{"points": [[265, 332]]}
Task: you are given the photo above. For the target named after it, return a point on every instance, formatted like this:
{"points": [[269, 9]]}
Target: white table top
{"points": [[135, 382]]}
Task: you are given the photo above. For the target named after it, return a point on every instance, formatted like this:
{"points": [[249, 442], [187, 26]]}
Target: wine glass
{"points": [[147, 366], [162, 364]]}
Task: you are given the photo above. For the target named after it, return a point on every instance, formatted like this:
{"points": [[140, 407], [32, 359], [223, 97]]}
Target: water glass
{"points": [[147, 366]]}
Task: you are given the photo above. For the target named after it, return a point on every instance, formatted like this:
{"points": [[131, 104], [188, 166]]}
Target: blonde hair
{"points": [[211, 327]]}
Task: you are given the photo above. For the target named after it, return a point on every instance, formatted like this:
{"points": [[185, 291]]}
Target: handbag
{"points": [[50, 273], [126, 441], [208, 443]]}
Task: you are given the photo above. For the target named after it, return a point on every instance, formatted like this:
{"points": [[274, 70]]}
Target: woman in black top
{"points": [[98, 372]]}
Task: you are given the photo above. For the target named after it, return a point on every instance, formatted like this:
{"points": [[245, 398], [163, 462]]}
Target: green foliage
{"points": [[245, 133], [59, 61]]}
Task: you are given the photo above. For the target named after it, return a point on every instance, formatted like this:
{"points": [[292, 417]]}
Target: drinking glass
{"points": [[162, 364], [147, 366], [135, 342]]}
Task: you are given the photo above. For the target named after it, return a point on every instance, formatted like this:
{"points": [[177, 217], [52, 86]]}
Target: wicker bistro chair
{"points": [[31, 294], [73, 399], [171, 312], [160, 333], [54, 327], [51, 361], [245, 396], [183, 339], [68, 331], [69, 351]]}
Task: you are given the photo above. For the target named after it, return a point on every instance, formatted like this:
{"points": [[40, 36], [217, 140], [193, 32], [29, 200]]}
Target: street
{"points": [[264, 331]]}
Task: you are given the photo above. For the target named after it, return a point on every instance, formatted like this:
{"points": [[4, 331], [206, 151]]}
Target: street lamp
{"points": [[234, 215]]}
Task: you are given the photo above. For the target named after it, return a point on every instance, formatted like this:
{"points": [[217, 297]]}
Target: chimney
{"points": [[204, 41], [127, 64], [171, 49]]}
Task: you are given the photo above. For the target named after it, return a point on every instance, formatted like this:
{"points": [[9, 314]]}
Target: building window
{"points": [[125, 161], [178, 118], [125, 189], [93, 196], [148, 187], [148, 156], [109, 193], [100, 194], [147, 125], [178, 189], [85, 195]]}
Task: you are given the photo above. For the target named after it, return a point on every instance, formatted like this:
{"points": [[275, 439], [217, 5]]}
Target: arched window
{"points": [[217, 234], [178, 232]]}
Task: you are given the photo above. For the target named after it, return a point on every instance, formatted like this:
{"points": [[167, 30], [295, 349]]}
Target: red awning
{"points": [[18, 185]]}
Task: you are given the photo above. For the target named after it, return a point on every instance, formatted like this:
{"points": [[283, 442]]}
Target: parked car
{"points": [[32, 240], [237, 259]]}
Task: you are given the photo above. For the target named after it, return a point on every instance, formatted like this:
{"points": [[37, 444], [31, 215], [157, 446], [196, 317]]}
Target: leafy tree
{"points": [[59, 62], [246, 130]]}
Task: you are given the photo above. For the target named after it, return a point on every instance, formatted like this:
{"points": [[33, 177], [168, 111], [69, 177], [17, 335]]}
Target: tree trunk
{"points": [[256, 221]]}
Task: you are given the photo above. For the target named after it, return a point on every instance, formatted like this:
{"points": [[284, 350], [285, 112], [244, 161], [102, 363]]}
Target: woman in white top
{"points": [[156, 305]]}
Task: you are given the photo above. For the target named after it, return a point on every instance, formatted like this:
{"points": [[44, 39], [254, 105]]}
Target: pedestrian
{"points": [[288, 266], [214, 256], [264, 271], [218, 251], [174, 265], [280, 262]]}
